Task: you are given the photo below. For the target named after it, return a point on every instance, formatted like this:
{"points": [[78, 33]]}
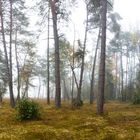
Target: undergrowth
{"points": [[27, 109], [121, 122]]}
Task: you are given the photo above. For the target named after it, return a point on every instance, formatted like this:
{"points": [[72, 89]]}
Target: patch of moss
{"points": [[122, 122]]}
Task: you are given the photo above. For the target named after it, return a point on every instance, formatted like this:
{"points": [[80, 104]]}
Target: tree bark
{"points": [[101, 82], [57, 57]]}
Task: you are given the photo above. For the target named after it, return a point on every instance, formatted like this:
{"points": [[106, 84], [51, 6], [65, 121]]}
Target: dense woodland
{"points": [[72, 73]]}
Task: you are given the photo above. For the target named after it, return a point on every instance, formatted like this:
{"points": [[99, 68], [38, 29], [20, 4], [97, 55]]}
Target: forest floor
{"points": [[120, 122]]}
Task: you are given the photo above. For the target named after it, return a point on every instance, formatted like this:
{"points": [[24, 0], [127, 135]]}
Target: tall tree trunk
{"points": [[17, 67], [73, 50], [65, 95], [74, 76], [126, 78], [25, 93], [116, 76], [72, 88], [10, 53], [101, 82], [57, 57], [39, 87], [48, 61], [134, 66], [83, 58], [93, 71], [119, 83], [122, 77], [0, 99], [10, 84]]}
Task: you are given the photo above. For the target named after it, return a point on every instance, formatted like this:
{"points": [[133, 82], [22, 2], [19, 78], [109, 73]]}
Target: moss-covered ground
{"points": [[121, 121]]}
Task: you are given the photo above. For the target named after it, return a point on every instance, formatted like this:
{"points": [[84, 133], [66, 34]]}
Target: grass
{"points": [[120, 122]]}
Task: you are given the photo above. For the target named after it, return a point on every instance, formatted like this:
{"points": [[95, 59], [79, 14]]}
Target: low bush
{"points": [[136, 99], [27, 109]]}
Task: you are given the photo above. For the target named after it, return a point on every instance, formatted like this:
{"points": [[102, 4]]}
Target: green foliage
{"points": [[27, 109], [79, 54], [129, 91], [136, 99], [77, 103]]}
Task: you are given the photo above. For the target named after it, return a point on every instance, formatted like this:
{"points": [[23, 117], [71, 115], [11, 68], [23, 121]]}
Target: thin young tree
{"points": [[48, 61], [92, 82], [83, 56]]}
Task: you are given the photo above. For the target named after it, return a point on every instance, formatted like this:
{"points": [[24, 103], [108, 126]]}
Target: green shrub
{"points": [[27, 109], [77, 103], [136, 99]]}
